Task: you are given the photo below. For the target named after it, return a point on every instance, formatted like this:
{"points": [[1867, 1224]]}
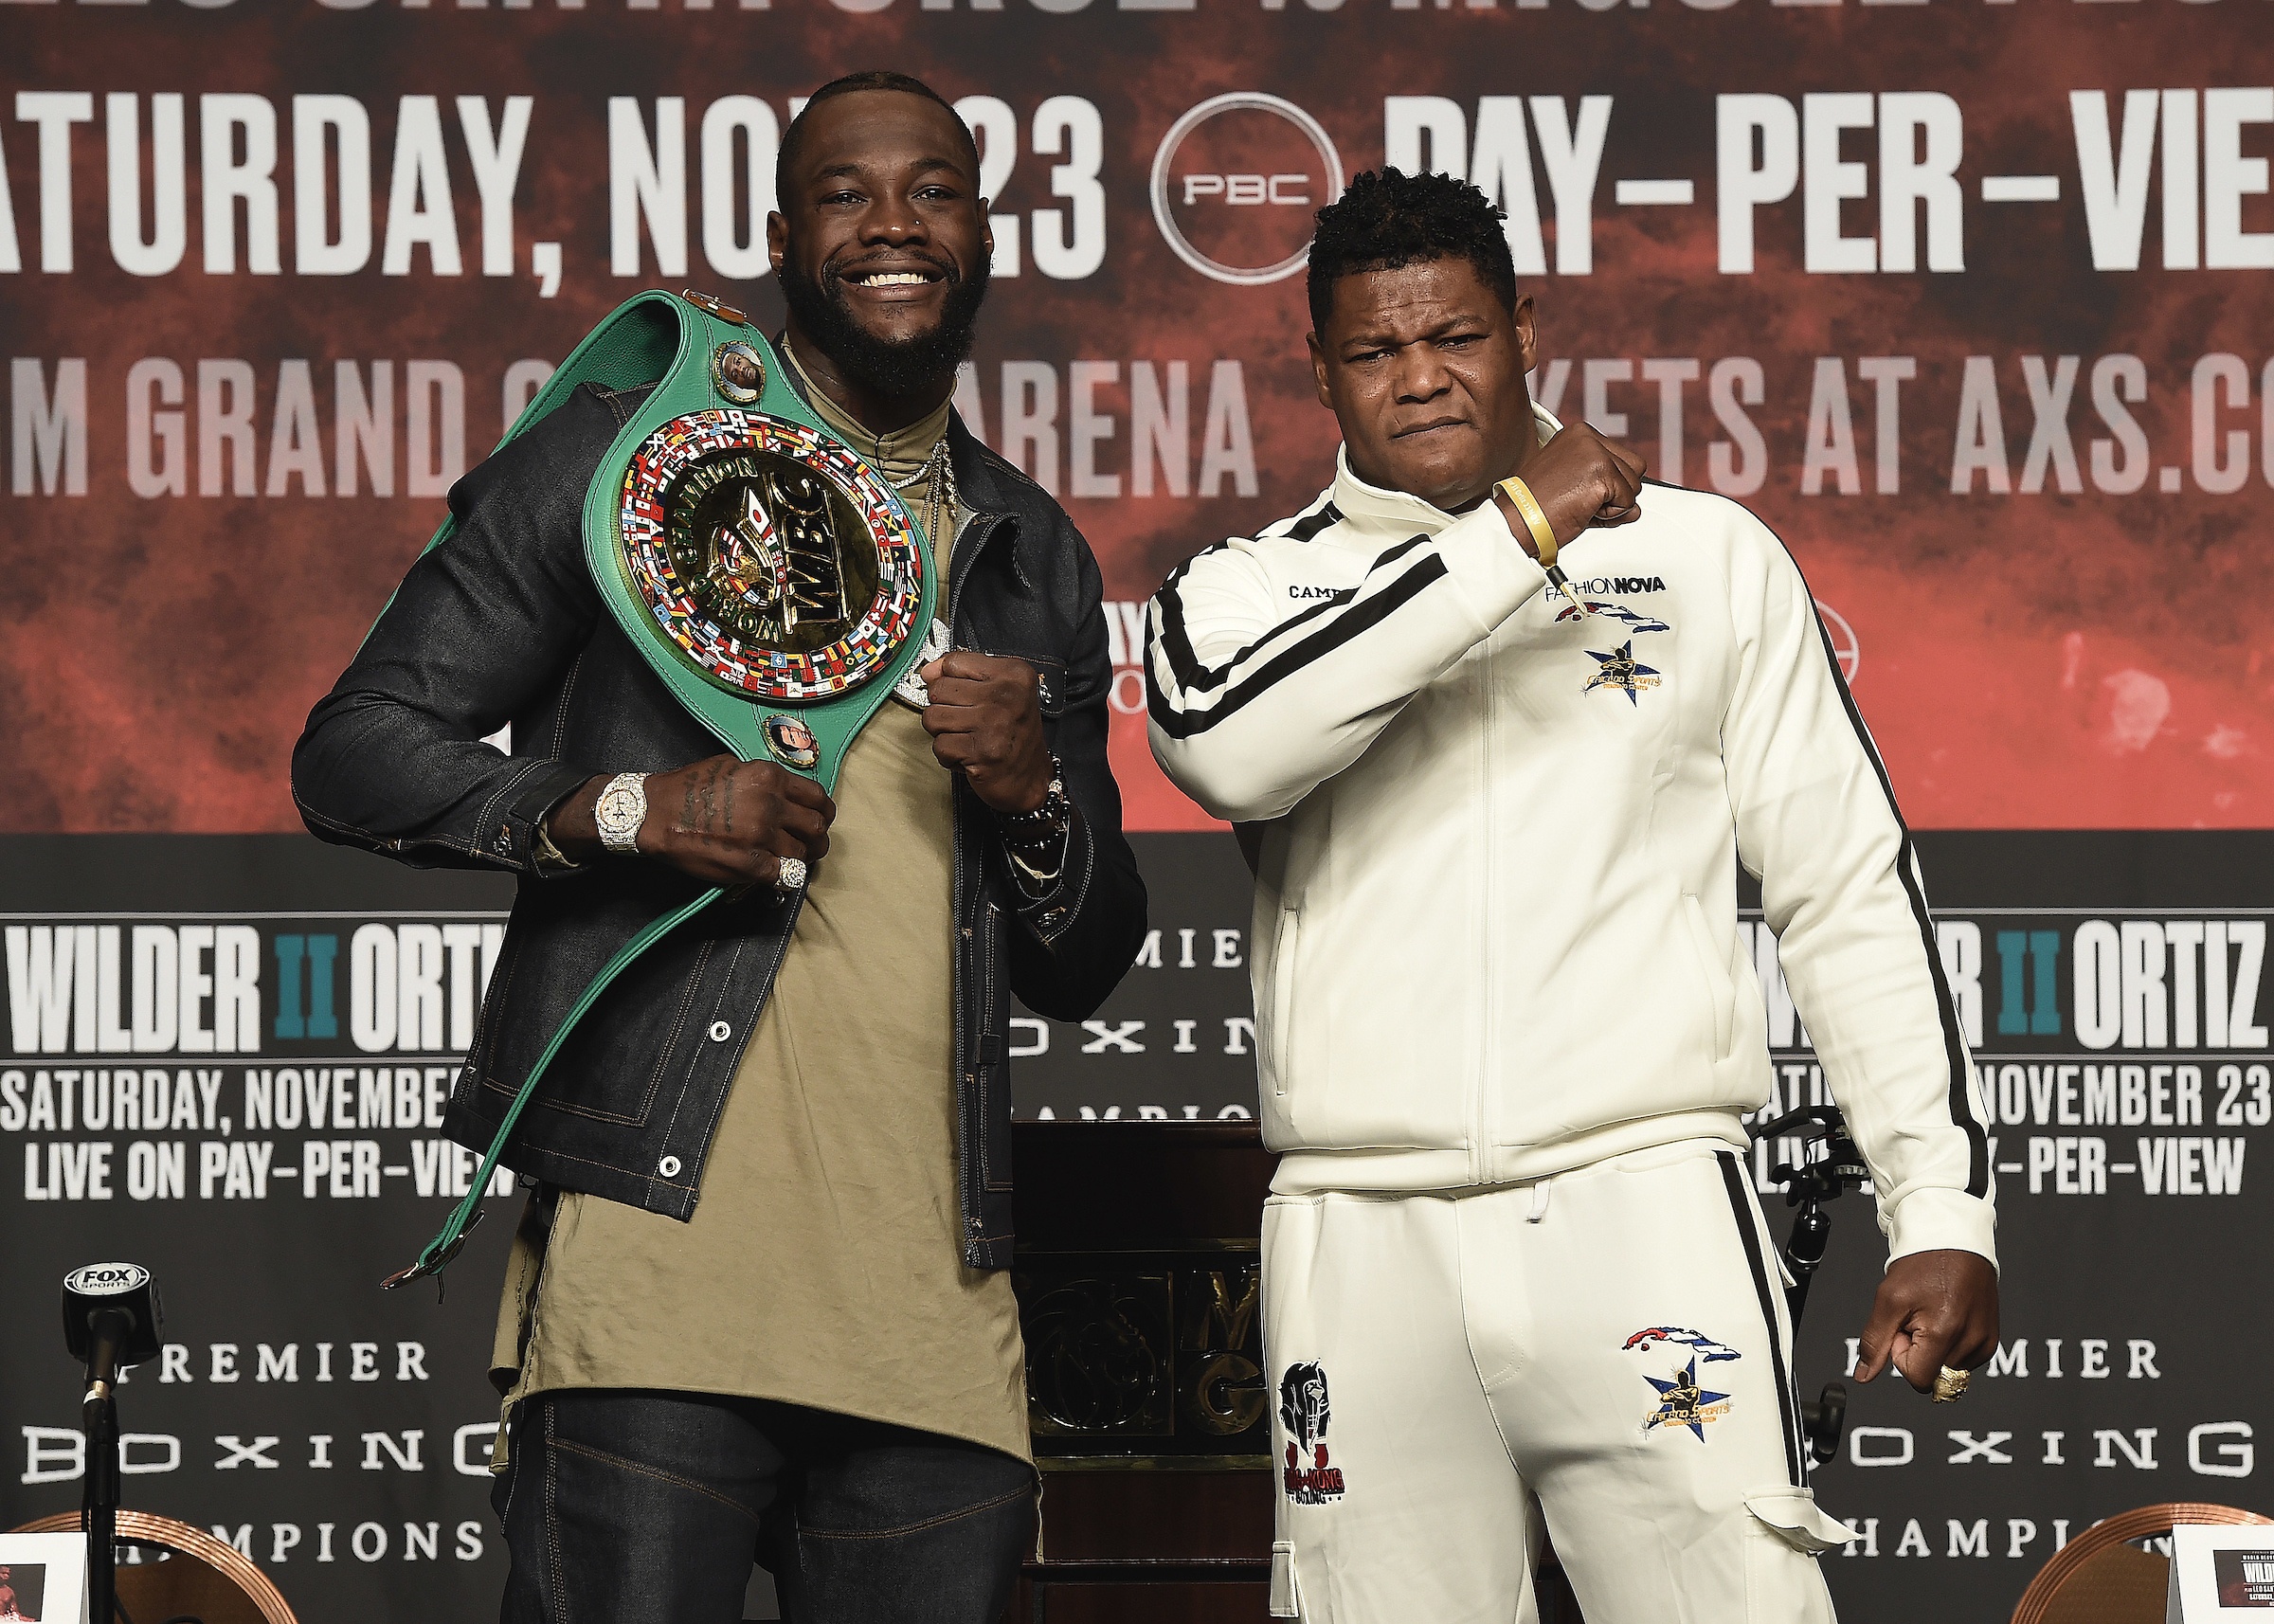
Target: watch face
{"points": [[617, 809]]}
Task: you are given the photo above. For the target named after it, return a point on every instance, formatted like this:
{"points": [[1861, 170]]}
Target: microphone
{"points": [[111, 1317]]}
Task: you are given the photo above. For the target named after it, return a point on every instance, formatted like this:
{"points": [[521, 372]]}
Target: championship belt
{"points": [[772, 580], [770, 577]]}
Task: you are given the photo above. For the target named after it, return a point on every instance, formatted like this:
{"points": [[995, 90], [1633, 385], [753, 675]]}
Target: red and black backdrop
{"points": [[1966, 297]]}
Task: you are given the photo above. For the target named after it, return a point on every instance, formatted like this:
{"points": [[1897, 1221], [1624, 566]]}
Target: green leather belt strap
{"points": [[723, 448]]}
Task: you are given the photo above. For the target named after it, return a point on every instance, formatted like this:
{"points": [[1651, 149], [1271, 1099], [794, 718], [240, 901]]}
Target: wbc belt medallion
{"points": [[772, 558]]}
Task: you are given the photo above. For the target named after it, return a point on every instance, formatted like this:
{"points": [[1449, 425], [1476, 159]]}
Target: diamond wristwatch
{"points": [[622, 808]]}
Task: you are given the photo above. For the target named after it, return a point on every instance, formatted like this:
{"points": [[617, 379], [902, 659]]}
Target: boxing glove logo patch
{"points": [[1310, 1478]]}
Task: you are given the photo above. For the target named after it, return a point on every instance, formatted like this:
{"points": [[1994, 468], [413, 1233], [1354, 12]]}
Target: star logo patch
{"points": [[1682, 1403], [1621, 672]]}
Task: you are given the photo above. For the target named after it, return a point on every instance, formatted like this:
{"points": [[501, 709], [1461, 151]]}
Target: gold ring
{"points": [[1950, 1385]]}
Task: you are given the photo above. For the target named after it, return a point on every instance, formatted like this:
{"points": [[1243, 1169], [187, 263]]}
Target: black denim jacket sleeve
{"points": [[481, 629], [1078, 941]]}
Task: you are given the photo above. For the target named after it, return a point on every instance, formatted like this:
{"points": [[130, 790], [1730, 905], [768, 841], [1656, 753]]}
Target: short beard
{"points": [[893, 368]]}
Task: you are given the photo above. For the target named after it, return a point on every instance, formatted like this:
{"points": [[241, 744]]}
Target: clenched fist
{"points": [[1581, 480], [985, 722]]}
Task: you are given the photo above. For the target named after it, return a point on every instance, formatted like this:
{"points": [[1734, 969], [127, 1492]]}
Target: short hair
{"points": [[1387, 219], [872, 79]]}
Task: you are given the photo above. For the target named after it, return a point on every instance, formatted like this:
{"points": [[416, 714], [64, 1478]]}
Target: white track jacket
{"points": [[1495, 927]]}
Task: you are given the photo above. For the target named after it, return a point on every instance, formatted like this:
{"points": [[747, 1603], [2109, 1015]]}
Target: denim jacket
{"points": [[501, 623]]}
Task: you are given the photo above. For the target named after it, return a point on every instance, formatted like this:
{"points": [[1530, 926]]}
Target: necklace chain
{"points": [[939, 496]]}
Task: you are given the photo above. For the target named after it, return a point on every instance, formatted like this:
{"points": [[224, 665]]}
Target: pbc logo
{"points": [[1246, 191], [1234, 182], [1303, 1411]]}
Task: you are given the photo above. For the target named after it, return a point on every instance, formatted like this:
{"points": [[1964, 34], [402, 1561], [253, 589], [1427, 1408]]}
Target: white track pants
{"points": [[1609, 1343]]}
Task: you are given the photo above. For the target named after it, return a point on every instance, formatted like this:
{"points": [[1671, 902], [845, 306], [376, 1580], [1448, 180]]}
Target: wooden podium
{"points": [[1139, 1294]]}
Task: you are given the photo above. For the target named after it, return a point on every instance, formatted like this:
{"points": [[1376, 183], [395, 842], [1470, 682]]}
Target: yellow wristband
{"points": [[1535, 519]]}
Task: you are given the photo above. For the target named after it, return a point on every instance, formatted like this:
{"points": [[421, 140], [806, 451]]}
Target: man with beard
{"points": [[793, 1338]]}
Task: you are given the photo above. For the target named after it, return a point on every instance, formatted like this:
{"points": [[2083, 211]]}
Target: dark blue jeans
{"points": [[625, 1507]]}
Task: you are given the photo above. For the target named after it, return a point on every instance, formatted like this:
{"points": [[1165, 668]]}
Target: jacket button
{"points": [[669, 1166], [720, 1032]]}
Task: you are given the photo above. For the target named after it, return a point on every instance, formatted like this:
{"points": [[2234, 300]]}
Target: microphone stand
{"points": [[1808, 1186], [99, 1513]]}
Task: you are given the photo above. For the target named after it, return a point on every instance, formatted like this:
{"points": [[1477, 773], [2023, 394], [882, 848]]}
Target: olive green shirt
{"points": [[823, 1263]]}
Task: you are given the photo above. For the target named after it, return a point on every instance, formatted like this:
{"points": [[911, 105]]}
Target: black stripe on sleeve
{"points": [[1178, 642], [1311, 524], [1906, 868], [1741, 1210], [1364, 617], [1193, 678]]}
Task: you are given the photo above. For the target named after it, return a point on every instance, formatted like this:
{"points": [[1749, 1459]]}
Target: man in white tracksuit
{"points": [[1506, 1023]]}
